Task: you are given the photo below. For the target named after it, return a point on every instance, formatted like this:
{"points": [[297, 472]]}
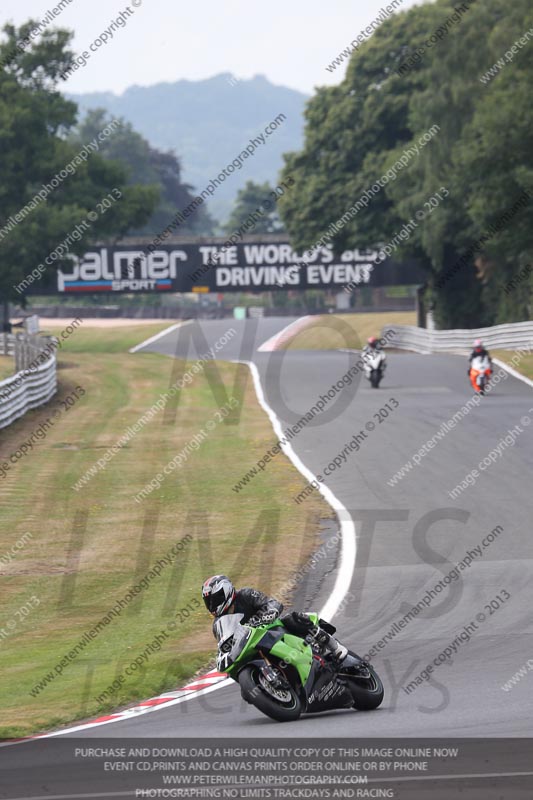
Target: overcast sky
{"points": [[289, 41]]}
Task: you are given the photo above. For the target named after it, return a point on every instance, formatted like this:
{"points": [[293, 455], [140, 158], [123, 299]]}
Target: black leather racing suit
{"points": [[482, 353], [300, 625], [373, 350], [479, 353], [253, 603]]}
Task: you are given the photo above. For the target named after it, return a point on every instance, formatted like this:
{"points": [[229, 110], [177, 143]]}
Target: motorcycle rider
{"points": [[221, 597], [478, 352], [372, 346], [371, 350]]}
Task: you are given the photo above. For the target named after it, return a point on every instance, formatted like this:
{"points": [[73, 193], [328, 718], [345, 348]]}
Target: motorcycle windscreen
{"points": [[231, 635], [226, 626], [375, 363], [480, 363]]}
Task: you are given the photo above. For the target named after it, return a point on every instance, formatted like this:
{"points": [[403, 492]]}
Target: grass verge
{"points": [[525, 366], [103, 340], [7, 367], [333, 331], [83, 550]]}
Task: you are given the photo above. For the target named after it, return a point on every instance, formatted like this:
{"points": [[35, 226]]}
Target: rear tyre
{"points": [[283, 706], [375, 378], [368, 692]]}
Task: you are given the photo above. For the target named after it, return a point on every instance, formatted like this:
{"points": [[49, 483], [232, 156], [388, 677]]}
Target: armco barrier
{"points": [[7, 344], [34, 383], [423, 340]]}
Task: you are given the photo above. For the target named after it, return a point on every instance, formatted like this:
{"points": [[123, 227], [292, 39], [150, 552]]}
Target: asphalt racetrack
{"points": [[410, 536]]}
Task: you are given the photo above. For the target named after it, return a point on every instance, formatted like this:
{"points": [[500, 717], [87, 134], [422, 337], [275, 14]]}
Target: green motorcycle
{"points": [[285, 676]]}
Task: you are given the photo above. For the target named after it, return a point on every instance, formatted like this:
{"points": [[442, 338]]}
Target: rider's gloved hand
{"points": [[263, 619], [303, 620], [321, 637]]}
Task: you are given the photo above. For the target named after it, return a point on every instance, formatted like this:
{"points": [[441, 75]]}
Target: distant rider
{"points": [[221, 597], [478, 352], [372, 349], [372, 346]]}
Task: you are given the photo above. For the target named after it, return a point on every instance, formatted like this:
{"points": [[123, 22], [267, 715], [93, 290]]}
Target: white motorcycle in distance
{"points": [[480, 372], [374, 366]]}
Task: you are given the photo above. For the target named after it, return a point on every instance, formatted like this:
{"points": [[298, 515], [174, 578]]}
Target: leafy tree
{"points": [[354, 134], [494, 160], [482, 155], [34, 122], [147, 166], [450, 96], [250, 198]]}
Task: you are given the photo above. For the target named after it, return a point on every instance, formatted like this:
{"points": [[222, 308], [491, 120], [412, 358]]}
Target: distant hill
{"points": [[208, 123]]}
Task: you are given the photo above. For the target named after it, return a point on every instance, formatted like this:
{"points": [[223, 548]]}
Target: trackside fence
{"points": [[424, 340], [35, 378]]}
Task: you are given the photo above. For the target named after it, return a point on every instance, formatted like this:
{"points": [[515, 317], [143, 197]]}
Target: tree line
{"points": [[56, 172], [469, 71]]}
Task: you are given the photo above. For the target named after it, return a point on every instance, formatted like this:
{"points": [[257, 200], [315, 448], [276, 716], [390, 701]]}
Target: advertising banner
{"points": [[207, 266]]}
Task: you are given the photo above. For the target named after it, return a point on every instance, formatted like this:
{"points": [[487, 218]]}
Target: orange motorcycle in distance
{"points": [[480, 372]]}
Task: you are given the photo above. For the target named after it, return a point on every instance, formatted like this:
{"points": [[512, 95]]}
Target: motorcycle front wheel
{"points": [[283, 705]]}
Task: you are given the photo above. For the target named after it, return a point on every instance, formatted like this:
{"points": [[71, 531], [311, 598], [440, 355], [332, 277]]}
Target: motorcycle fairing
{"points": [[354, 667], [295, 652], [324, 691]]}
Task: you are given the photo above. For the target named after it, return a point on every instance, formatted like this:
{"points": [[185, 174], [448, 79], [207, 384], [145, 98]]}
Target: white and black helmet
{"points": [[218, 593]]}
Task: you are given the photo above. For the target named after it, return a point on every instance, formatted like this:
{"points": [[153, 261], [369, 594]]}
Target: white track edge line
{"points": [[348, 549], [342, 582], [513, 372], [269, 345], [136, 711], [159, 335], [348, 539]]}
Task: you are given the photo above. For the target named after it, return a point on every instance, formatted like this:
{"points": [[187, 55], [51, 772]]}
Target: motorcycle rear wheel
{"points": [[367, 693], [276, 708]]}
